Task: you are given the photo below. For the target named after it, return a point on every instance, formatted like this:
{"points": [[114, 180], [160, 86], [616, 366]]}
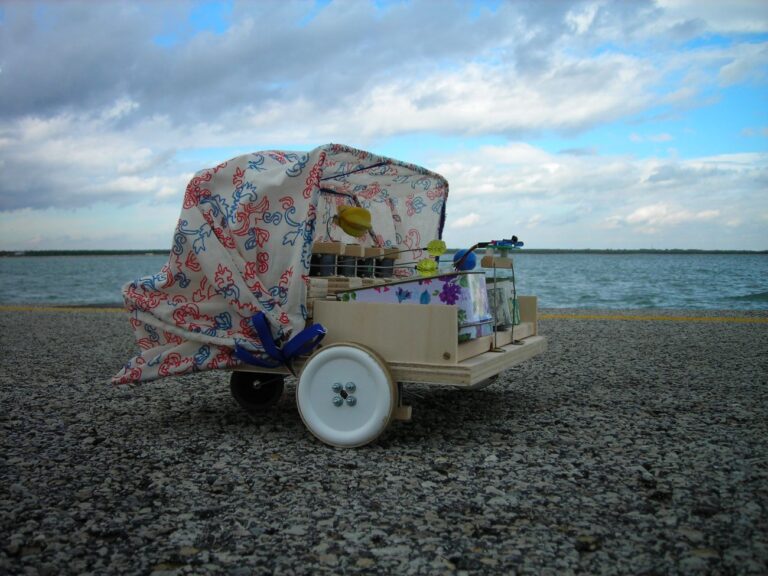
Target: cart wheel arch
{"points": [[346, 395]]}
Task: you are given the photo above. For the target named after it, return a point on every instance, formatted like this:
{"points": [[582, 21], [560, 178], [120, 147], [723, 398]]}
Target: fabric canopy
{"points": [[243, 244]]}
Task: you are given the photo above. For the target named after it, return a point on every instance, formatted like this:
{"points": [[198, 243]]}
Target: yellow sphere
{"points": [[354, 220]]}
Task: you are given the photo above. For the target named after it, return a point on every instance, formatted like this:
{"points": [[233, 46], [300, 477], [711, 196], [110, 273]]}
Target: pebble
{"points": [[629, 447]]}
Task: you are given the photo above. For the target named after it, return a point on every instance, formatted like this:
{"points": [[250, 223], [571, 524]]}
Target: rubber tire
{"points": [[256, 392]]}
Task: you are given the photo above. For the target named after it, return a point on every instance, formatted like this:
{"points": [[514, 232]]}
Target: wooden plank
{"points": [[474, 347], [317, 287], [521, 331], [354, 250], [465, 374], [529, 311], [411, 333], [328, 248], [495, 262], [473, 370]]}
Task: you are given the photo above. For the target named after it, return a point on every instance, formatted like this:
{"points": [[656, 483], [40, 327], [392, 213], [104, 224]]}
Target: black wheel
{"points": [[256, 392]]}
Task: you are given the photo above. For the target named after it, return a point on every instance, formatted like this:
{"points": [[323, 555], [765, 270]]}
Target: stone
{"points": [[587, 543]]}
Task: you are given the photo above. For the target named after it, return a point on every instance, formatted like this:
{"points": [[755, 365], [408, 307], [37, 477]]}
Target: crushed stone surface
{"points": [[629, 447]]}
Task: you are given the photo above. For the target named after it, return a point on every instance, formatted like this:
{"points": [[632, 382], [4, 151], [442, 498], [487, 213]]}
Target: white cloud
{"points": [[478, 99], [467, 221], [121, 108], [112, 116], [596, 196], [739, 16], [580, 18], [748, 63], [663, 137], [663, 214]]}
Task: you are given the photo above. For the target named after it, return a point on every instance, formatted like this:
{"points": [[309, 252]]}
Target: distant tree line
{"points": [[163, 252], [10, 254]]}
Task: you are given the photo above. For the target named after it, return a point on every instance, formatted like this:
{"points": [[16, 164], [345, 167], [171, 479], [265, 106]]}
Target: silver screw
{"points": [[337, 387], [351, 400], [337, 400], [350, 387]]}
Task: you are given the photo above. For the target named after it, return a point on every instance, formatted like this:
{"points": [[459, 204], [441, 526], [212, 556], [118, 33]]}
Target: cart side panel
{"points": [[529, 311], [398, 332]]}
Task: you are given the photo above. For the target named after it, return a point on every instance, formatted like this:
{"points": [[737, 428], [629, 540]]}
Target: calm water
{"points": [[704, 281]]}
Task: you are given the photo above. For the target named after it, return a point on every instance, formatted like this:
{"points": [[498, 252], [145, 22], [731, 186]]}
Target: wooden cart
{"points": [[265, 241], [350, 389]]}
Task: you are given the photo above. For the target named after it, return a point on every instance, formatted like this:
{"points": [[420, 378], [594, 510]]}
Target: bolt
{"points": [[351, 400], [337, 387], [350, 387], [337, 401]]}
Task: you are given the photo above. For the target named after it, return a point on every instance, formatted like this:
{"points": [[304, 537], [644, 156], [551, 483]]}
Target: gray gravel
{"points": [[631, 447]]}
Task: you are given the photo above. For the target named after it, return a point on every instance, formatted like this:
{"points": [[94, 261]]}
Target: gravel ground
{"points": [[630, 447]]}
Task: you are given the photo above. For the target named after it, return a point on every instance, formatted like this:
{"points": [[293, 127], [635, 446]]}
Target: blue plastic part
{"points": [[469, 262], [303, 343]]}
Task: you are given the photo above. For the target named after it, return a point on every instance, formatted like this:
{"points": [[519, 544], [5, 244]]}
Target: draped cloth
{"points": [[243, 242]]}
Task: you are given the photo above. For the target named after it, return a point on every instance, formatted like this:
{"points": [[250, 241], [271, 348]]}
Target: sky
{"points": [[581, 124]]}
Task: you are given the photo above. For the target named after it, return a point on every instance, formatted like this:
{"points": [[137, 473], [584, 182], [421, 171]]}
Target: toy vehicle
{"points": [[322, 265]]}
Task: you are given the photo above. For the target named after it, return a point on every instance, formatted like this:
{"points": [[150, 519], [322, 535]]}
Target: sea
{"points": [[560, 280]]}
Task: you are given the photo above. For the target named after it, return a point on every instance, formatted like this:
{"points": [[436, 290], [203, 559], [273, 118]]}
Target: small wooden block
{"points": [[354, 250], [317, 287], [373, 252], [412, 333], [529, 308], [495, 262], [328, 248], [402, 413], [390, 252]]}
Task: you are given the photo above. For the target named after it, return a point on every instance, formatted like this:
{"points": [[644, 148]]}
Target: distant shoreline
{"points": [[165, 252]]}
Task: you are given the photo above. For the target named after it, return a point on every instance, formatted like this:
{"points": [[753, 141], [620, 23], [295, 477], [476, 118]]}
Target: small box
{"points": [[466, 290]]}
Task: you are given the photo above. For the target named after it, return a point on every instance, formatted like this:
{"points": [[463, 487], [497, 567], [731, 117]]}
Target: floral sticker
{"points": [[403, 294], [450, 293]]}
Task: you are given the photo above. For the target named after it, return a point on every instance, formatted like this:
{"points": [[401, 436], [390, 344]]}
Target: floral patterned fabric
{"points": [[243, 244]]}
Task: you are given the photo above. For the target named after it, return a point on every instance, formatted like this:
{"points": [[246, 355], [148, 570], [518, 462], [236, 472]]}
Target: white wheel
{"points": [[346, 396]]}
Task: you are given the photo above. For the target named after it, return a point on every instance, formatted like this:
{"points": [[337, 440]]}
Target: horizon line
{"points": [[164, 251]]}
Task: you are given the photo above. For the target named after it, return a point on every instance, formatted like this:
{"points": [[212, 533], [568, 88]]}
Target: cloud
{"points": [[750, 132], [525, 188], [118, 102], [651, 217], [466, 221], [736, 16], [664, 137], [73, 160], [584, 151], [748, 63]]}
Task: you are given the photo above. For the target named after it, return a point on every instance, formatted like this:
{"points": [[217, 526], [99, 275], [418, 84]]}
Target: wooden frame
{"points": [[420, 343], [398, 332]]}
